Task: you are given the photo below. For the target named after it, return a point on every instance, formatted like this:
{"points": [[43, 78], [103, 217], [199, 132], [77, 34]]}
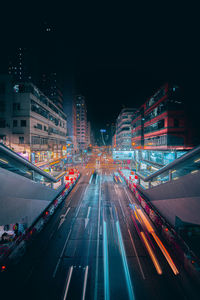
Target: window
{"points": [[23, 123], [39, 126], [21, 140], [16, 106], [14, 123], [2, 123]]}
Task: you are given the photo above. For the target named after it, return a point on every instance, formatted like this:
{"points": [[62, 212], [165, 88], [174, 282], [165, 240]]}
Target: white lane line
{"points": [[68, 282], [59, 260], [120, 204], [63, 218], [85, 283], [130, 200], [137, 257], [89, 208]]}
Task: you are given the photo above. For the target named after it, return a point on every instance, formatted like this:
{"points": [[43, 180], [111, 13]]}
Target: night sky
{"points": [[115, 55]]}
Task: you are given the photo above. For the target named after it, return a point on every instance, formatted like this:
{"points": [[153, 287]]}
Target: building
{"points": [[89, 133], [30, 123], [50, 87], [80, 123], [123, 129], [17, 66], [159, 130]]}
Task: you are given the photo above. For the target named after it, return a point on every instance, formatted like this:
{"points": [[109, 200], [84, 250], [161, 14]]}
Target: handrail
{"points": [[25, 162], [181, 159]]}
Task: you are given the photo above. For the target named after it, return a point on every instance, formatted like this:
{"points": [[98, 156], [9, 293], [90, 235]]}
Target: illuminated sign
{"points": [[123, 155]]}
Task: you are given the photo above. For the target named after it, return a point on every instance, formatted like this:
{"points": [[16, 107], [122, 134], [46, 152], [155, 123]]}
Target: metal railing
{"points": [[188, 163], [10, 153]]}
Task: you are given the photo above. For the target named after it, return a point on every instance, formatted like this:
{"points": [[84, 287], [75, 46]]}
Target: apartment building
{"points": [[30, 123]]}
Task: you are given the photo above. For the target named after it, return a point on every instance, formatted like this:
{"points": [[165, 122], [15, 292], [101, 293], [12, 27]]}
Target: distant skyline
{"points": [[115, 56]]}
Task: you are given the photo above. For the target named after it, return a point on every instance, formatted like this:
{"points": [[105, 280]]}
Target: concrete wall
{"points": [[186, 186], [179, 198], [22, 198]]}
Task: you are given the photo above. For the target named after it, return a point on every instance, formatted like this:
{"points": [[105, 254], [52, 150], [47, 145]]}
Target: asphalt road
{"points": [[93, 248]]}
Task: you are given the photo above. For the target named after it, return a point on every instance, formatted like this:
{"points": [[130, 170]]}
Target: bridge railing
{"points": [[188, 163]]}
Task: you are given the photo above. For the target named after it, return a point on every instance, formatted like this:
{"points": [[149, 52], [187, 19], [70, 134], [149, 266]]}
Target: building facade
{"points": [[123, 129], [50, 87], [80, 123], [159, 130], [30, 123]]}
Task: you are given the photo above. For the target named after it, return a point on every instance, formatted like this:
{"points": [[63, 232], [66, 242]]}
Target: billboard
{"points": [[122, 155]]}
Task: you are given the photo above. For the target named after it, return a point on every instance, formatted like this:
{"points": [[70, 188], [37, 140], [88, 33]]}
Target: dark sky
{"points": [[113, 54]]}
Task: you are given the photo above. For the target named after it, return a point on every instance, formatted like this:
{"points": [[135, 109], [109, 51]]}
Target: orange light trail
{"points": [[158, 241], [152, 255], [165, 253]]}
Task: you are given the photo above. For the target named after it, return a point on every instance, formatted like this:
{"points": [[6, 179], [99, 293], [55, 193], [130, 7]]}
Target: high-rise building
{"points": [[123, 129], [50, 87], [18, 66], [80, 122], [30, 122]]}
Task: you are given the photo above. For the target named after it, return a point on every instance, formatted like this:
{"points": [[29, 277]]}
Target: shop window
{"points": [[14, 123], [23, 123], [169, 157]]}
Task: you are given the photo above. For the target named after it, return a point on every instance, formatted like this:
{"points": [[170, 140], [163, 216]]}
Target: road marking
{"points": [[85, 283], [151, 253], [68, 282], [63, 218], [59, 260], [128, 196], [137, 257]]}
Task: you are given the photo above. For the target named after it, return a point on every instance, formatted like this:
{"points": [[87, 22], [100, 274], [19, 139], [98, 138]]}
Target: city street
{"points": [[95, 247]]}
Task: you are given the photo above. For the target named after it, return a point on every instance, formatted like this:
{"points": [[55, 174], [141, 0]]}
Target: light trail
{"points": [[105, 263], [125, 264], [68, 282], [98, 233], [152, 255], [85, 283], [158, 241], [165, 253]]}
